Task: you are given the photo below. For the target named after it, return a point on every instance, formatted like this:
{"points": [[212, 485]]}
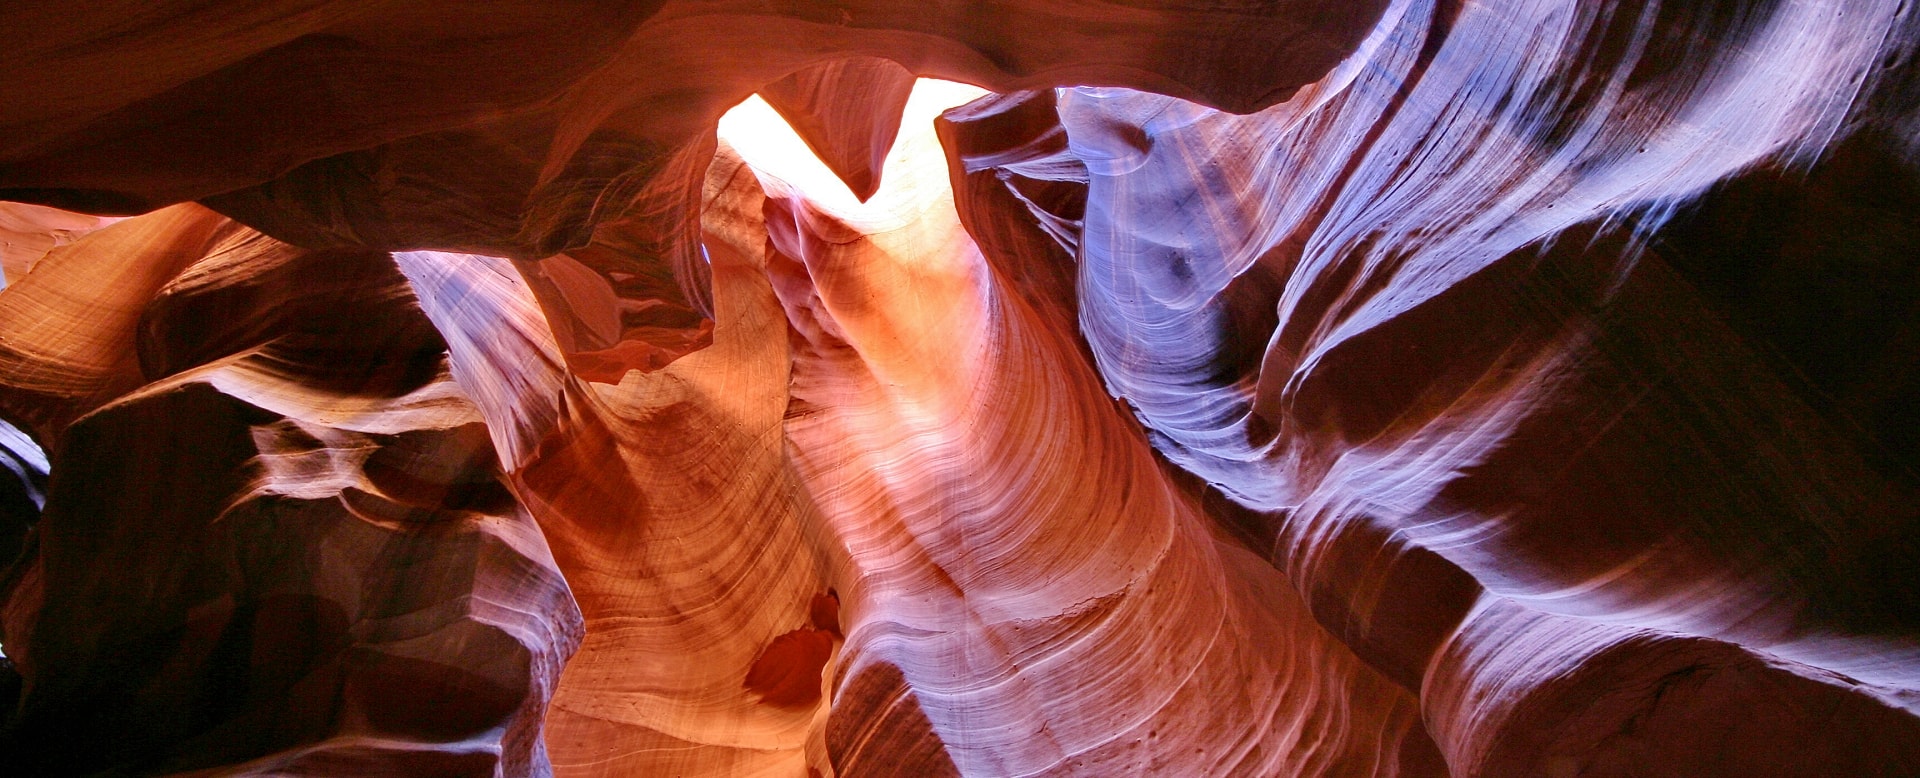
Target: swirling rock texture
{"points": [[1402, 388]]}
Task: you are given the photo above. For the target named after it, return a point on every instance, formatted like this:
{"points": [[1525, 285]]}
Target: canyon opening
{"points": [[712, 388]]}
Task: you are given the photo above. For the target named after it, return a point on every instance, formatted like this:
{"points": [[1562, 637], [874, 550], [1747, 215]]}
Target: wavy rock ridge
{"points": [[1405, 388]]}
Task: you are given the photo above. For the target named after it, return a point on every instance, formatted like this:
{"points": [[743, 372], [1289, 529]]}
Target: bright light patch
{"points": [[774, 151]]}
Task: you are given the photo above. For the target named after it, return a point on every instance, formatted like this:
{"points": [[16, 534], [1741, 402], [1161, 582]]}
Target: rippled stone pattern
{"points": [[1403, 388]]}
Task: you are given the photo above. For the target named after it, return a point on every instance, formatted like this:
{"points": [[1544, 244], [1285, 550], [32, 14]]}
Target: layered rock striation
{"points": [[1405, 388]]}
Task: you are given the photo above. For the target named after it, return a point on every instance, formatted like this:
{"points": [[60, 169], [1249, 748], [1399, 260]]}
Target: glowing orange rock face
{"points": [[1498, 389]]}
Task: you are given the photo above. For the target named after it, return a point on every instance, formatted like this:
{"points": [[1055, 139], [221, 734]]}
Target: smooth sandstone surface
{"points": [[1404, 388]]}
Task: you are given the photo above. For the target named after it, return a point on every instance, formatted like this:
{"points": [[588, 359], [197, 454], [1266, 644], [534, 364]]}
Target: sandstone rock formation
{"points": [[1401, 388]]}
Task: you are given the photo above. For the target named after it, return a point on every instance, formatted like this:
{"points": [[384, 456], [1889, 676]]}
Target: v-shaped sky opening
{"points": [[772, 147]]}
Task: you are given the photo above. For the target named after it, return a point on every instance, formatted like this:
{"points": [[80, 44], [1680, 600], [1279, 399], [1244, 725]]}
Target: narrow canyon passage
{"points": [[1402, 388]]}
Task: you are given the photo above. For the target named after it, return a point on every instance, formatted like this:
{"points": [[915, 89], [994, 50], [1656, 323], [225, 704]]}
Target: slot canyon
{"points": [[815, 388]]}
